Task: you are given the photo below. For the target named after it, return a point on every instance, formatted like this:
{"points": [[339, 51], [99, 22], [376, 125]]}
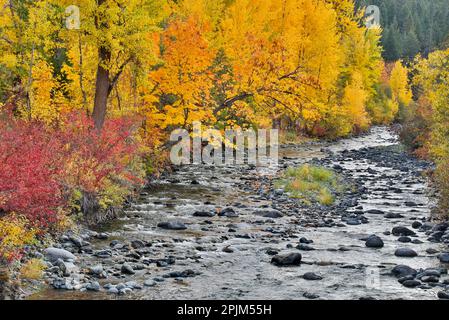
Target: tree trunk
{"points": [[102, 89], [102, 85]]}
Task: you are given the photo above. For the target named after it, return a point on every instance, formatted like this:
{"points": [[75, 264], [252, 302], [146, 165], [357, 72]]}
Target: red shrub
{"points": [[29, 170], [40, 167], [93, 156]]}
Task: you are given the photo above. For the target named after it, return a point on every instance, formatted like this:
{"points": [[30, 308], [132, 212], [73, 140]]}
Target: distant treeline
{"points": [[411, 26]]}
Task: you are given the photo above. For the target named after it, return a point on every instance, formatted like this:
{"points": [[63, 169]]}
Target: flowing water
{"points": [[243, 270]]}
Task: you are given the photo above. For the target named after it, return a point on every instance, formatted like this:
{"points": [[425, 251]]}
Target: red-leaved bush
{"points": [[41, 167], [30, 165]]}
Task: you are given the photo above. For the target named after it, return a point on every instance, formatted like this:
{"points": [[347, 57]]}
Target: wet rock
{"points": [[228, 212], [375, 211], [436, 236], [97, 271], [113, 290], [430, 279], [207, 214], [101, 236], [228, 249], [405, 253], [289, 259], [305, 241], [443, 295], [416, 225], [406, 278], [402, 231], [402, 271], [172, 225], [312, 276], [441, 227], [103, 254], [67, 268], [133, 285], [79, 241], [271, 252], [444, 257], [125, 291], [137, 244], [274, 214], [149, 283], [404, 239], [311, 296], [374, 241], [62, 284], [392, 215], [127, 269], [304, 247], [411, 283], [181, 274], [93, 286], [427, 226], [410, 204], [53, 254], [432, 251]]}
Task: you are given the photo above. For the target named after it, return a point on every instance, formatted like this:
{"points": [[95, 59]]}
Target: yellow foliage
{"points": [[14, 234], [32, 269], [399, 84]]}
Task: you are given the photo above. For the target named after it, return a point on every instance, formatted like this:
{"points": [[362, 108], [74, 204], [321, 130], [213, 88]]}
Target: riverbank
{"points": [[206, 232]]}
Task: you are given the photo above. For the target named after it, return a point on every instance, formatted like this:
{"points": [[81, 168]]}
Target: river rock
{"points": [[404, 239], [127, 269], [113, 290], [392, 215], [405, 252], [274, 214], [149, 283], [444, 257], [67, 268], [304, 247], [374, 242], [443, 295], [97, 271], [416, 225], [312, 276], [289, 259], [375, 211], [93, 286], [228, 212], [53, 254], [402, 271], [430, 279], [411, 283], [305, 240], [410, 204], [402, 231], [137, 244], [207, 214], [172, 225], [311, 296]]}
